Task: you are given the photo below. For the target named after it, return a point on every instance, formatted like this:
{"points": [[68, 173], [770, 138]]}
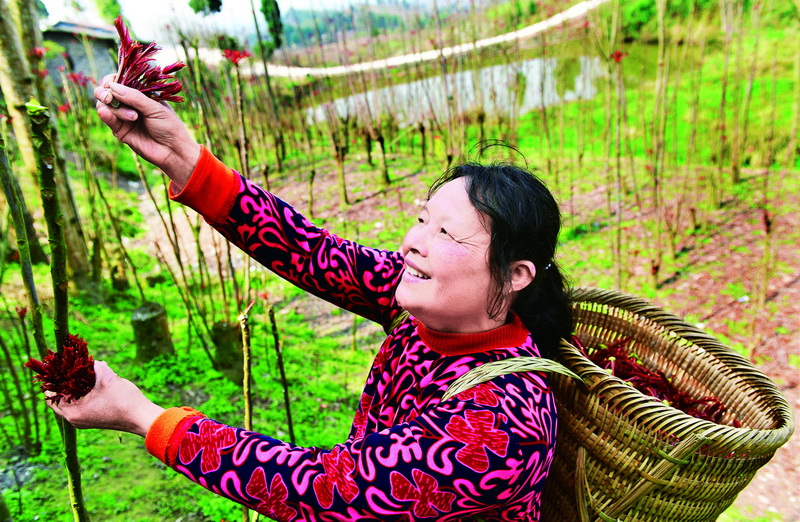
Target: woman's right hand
{"points": [[150, 128]]}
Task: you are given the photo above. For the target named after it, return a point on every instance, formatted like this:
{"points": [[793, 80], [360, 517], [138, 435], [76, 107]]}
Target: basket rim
{"points": [[600, 381]]}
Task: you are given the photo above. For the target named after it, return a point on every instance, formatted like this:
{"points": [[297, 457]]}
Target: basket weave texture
{"points": [[621, 455]]}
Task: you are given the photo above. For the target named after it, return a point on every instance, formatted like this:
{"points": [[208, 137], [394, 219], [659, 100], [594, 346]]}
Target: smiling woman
{"points": [[475, 283]]}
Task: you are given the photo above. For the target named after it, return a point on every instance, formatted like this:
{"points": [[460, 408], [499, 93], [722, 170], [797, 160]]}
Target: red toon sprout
{"points": [[618, 56], [79, 79], [235, 56], [136, 70], [70, 374], [623, 364]]}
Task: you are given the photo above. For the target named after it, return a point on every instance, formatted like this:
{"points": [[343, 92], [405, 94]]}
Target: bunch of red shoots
{"points": [[69, 374], [626, 366], [136, 68]]}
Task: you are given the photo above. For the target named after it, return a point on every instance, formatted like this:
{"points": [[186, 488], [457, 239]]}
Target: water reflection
{"points": [[506, 89]]}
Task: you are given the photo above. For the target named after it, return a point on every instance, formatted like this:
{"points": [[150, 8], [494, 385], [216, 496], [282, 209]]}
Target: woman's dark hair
{"points": [[524, 225]]}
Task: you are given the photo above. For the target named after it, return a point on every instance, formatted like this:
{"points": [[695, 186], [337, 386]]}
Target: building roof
{"points": [[103, 32]]}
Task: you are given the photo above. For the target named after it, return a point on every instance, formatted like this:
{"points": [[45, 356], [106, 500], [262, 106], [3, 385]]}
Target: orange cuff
{"points": [[211, 190], [164, 436]]}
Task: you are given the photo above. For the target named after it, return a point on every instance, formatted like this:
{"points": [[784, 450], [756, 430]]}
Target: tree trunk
{"points": [[243, 141], [5, 514], [16, 85], [274, 118], [16, 82], [27, 23], [40, 121], [26, 20], [423, 150], [344, 201], [284, 383], [368, 144], [26, 437], [384, 167], [311, 176], [77, 250], [244, 326], [37, 252], [25, 262]]}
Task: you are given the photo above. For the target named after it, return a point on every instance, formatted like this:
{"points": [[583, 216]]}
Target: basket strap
{"points": [[671, 463], [487, 372], [399, 318], [667, 467], [581, 485]]}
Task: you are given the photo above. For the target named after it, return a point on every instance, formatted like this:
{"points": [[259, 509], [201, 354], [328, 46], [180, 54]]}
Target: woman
{"points": [[477, 279]]}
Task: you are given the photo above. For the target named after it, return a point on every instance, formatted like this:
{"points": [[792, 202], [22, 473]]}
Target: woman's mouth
{"points": [[416, 273]]}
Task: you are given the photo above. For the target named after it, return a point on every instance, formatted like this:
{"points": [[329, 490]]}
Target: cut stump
{"points": [[227, 338], [151, 332]]}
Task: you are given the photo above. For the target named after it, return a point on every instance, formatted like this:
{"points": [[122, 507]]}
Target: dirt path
{"points": [[575, 12]]}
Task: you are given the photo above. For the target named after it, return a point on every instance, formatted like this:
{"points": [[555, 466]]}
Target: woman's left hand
{"points": [[113, 404]]}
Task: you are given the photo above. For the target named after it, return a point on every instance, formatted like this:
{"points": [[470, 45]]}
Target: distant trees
{"points": [[302, 24], [205, 7], [108, 9], [272, 14]]}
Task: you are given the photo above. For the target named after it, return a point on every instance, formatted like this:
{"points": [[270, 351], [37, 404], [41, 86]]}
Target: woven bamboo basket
{"points": [[622, 455]]}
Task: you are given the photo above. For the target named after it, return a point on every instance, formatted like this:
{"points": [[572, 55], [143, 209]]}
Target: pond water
{"points": [[506, 89]]}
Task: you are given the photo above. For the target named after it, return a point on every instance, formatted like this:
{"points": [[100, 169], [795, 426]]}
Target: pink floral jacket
{"points": [[483, 454]]}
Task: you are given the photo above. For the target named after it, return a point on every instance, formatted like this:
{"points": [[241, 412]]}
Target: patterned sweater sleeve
{"points": [[345, 273], [485, 453]]}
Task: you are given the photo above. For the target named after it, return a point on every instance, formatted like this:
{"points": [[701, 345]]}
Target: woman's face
{"points": [[446, 283]]}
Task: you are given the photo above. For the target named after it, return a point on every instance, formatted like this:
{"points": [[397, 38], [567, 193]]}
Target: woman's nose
{"points": [[415, 241]]}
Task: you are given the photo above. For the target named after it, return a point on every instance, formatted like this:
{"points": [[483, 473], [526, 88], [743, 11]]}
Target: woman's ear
{"points": [[522, 274]]}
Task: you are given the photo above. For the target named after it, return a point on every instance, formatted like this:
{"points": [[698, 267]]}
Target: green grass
{"points": [[734, 514]]}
